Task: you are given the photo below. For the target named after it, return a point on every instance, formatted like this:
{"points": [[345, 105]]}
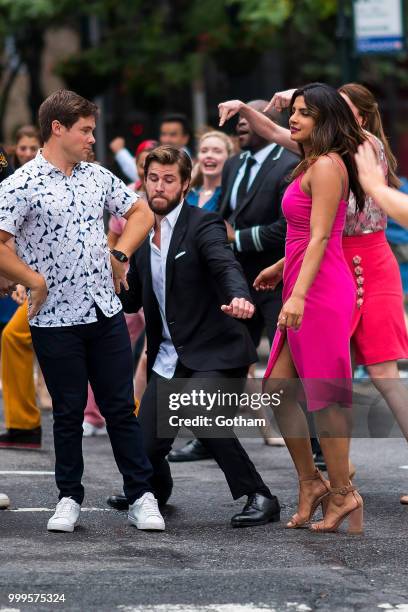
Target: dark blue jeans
{"points": [[99, 352]]}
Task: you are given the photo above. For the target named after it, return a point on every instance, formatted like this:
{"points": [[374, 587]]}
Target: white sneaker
{"points": [[4, 501], [93, 430], [144, 513], [66, 515]]}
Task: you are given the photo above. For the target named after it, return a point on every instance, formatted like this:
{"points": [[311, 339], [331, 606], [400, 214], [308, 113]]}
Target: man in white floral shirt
{"points": [[53, 206]]}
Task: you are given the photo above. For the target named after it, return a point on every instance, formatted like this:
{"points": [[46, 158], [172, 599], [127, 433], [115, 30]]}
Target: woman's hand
{"points": [[280, 100], [228, 109], [370, 173], [291, 314], [269, 278]]}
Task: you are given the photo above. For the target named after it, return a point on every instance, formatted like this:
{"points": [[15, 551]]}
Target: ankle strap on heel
{"points": [[342, 490], [316, 476]]}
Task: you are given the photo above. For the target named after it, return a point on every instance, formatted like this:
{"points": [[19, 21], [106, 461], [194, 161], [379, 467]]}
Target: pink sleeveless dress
{"points": [[320, 349]]}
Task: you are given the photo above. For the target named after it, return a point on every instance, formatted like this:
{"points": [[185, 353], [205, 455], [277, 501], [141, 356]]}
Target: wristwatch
{"points": [[119, 256]]}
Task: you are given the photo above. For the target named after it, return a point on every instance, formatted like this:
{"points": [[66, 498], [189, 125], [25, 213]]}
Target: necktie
{"points": [[243, 186]]}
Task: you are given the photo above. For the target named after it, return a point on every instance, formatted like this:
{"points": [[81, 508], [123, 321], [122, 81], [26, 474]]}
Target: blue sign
{"points": [[389, 44], [378, 26]]}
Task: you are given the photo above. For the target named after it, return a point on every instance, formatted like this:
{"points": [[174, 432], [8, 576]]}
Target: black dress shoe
{"points": [[258, 510], [21, 438], [120, 502], [192, 451]]}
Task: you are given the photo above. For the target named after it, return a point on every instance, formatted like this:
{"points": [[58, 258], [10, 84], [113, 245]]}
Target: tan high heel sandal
{"points": [[354, 514], [294, 523]]}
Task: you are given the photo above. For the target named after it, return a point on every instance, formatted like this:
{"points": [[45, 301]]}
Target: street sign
{"points": [[378, 26]]}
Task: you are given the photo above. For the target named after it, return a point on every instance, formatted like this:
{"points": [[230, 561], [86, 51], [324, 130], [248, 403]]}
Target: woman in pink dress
{"points": [[378, 333], [312, 341]]}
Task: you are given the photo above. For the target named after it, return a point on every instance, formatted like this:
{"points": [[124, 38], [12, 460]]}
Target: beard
{"points": [[161, 209]]}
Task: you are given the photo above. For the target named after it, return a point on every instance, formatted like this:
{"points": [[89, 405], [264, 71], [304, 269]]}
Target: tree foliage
{"points": [[26, 21], [158, 47]]}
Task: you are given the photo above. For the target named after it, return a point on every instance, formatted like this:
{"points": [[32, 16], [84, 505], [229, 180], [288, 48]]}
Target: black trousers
{"points": [[240, 473], [99, 352]]}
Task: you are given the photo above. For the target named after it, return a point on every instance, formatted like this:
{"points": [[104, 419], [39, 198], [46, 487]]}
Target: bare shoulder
{"points": [[328, 167], [325, 163], [328, 177]]}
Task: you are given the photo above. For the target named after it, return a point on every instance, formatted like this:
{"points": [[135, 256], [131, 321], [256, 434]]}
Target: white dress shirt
{"points": [[259, 158], [166, 359]]}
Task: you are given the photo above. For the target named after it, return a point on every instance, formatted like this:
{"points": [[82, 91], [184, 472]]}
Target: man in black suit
{"points": [[192, 291], [253, 184]]}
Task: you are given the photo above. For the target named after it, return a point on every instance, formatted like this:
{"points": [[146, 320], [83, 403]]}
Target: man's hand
{"points": [[38, 295], [117, 144], [230, 232], [228, 109], [119, 273], [280, 100], [19, 295], [239, 308], [6, 287]]}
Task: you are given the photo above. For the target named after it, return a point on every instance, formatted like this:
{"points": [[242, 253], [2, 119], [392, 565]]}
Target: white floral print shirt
{"points": [[57, 221]]}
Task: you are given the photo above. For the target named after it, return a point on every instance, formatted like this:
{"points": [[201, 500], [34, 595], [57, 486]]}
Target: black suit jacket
{"points": [[202, 273], [259, 219]]}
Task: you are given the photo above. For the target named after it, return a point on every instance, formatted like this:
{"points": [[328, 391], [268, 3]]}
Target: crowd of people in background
{"points": [[288, 216]]}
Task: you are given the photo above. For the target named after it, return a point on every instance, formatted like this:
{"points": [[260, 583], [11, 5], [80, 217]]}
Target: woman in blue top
{"points": [[213, 150]]}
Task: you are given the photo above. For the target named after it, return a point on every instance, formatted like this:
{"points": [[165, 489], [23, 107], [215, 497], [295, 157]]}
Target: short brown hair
{"points": [[169, 155], [66, 107]]}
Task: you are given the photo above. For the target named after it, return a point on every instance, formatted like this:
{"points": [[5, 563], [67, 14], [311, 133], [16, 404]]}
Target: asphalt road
{"points": [[200, 562]]}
